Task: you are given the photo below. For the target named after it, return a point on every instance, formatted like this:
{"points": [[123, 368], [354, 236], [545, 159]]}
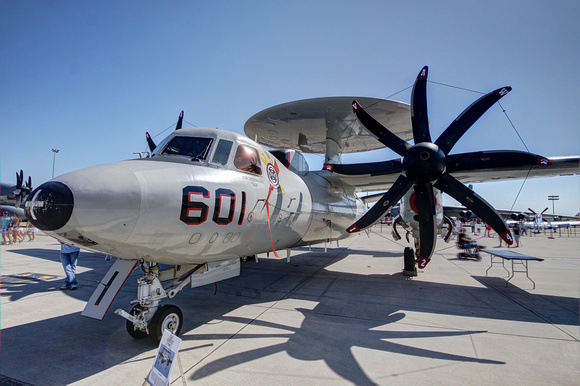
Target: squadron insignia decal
{"points": [[273, 176]]}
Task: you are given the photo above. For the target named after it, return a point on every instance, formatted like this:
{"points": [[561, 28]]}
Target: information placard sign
{"points": [[160, 374]]}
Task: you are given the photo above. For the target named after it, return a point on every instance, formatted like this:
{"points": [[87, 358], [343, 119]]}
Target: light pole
{"points": [[54, 151], [553, 198]]}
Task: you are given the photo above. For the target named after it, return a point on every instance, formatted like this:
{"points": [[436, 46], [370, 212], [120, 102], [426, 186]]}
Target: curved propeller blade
{"points": [[419, 117], [476, 204], [365, 169], [493, 159], [19, 178], [467, 118], [427, 223], [383, 134], [179, 121], [21, 191], [150, 141], [389, 199]]}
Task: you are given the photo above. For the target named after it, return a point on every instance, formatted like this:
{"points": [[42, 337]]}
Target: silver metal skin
{"points": [[204, 198], [131, 209], [191, 209]]}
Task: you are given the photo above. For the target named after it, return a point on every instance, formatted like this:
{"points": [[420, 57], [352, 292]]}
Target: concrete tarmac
{"points": [[341, 317]]}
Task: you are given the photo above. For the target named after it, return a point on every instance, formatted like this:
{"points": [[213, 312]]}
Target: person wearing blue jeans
{"points": [[69, 255]]}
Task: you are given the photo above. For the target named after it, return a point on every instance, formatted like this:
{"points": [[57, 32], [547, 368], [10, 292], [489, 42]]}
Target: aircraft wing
{"points": [[312, 125], [427, 164], [532, 166], [461, 211], [7, 192]]}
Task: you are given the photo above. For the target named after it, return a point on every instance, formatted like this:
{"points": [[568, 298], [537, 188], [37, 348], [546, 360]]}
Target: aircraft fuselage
{"points": [[186, 210]]}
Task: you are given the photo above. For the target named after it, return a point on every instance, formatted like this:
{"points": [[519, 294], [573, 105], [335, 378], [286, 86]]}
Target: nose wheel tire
{"points": [[167, 317]]}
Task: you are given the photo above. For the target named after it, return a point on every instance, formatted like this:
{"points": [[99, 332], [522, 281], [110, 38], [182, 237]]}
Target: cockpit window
{"points": [[222, 152], [193, 147], [247, 159]]}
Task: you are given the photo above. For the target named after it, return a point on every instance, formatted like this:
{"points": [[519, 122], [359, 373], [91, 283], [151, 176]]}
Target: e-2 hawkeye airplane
{"points": [[203, 198], [530, 219], [12, 196], [537, 221]]}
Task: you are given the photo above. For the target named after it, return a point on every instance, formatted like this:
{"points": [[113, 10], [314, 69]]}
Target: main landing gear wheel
{"points": [[166, 317], [135, 332]]}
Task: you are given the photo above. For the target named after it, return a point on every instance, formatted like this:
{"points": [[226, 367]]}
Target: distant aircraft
{"points": [[12, 196], [524, 217], [11, 210], [206, 197], [531, 219], [538, 221]]}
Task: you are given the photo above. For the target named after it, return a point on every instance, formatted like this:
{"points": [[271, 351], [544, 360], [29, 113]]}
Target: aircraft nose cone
{"points": [[50, 206]]}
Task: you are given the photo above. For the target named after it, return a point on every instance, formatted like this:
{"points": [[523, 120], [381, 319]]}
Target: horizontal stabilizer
{"points": [[108, 289]]}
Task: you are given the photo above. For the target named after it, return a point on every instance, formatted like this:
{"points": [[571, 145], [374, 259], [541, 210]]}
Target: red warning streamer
{"points": [[269, 226]]}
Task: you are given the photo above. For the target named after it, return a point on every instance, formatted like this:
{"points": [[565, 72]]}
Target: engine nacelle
{"points": [[409, 213]]}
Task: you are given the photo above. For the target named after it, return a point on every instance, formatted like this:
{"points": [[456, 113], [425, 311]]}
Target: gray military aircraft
{"points": [[539, 221], [12, 196], [203, 198]]}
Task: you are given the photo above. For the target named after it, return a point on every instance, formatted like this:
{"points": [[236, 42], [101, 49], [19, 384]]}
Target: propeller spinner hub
{"points": [[424, 162]]}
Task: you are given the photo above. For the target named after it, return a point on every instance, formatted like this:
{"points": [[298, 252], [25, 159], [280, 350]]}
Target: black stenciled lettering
{"points": [[219, 195], [242, 209], [191, 206], [194, 211]]}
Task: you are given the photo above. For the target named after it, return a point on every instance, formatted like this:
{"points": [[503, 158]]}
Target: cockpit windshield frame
{"points": [[195, 148]]}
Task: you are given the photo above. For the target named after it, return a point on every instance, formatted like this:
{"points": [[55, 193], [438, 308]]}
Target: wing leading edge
{"points": [[496, 166]]}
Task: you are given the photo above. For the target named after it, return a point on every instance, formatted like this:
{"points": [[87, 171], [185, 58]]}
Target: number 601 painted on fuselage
{"points": [[194, 212]]}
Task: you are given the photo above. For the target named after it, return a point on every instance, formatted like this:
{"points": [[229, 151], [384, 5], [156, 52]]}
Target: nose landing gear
{"points": [[149, 318]]}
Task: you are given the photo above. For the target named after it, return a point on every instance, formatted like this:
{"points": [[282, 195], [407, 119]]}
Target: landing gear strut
{"points": [[149, 318], [136, 312]]}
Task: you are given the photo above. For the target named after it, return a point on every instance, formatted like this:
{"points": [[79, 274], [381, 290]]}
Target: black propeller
{"points": [[536, 213], [427, 164], [22, 189]]}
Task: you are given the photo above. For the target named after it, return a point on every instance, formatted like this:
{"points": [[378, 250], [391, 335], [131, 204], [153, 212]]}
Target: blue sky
{"points": [[90, 78]]}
